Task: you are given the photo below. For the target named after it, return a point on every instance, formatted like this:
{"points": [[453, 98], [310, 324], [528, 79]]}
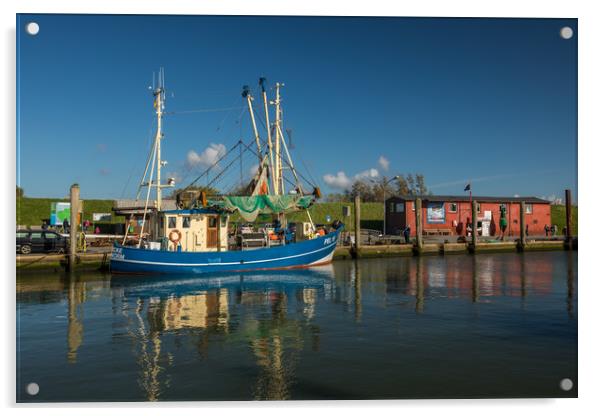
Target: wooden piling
{"points": [[418, 210], [523, 234], [567, 204], [356, 212], [474, 231], [74, 196]]}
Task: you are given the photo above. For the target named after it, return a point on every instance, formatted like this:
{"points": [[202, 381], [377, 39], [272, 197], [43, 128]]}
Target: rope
{"points": [[202, 110]]}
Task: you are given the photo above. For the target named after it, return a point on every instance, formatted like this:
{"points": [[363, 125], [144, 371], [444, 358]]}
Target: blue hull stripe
{"points": [[222, 264]]}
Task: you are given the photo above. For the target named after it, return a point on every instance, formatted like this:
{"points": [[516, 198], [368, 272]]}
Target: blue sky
{"points": [[488, 100]]}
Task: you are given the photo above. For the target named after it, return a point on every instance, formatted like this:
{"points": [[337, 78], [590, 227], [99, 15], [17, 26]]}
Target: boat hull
{"points": [[297, 255]]}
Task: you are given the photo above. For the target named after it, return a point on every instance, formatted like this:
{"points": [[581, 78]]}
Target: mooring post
{"points": [[356, 213], [418, 210], [474, 227], [567, 204], [523, 234], [74, 196], [219, 233]]}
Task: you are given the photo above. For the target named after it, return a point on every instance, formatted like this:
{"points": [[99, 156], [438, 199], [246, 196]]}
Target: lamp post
{"points": [[384, 185]]}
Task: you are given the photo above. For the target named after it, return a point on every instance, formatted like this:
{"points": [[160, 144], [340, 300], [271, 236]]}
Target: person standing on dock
{"points": [[406, 234], [546, 228]]}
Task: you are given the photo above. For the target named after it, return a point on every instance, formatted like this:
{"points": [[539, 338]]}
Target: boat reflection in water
{"points": [[172, 304]]}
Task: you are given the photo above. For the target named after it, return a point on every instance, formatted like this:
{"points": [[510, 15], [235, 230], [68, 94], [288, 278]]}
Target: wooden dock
{"points": [[100, 260]]}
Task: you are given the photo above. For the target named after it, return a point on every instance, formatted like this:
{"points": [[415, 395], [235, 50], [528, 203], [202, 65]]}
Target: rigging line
{"points": [[212, 166], [202, 110], [221, 124], [248, 147], [150, 133], [223, 171], [308, 172]]}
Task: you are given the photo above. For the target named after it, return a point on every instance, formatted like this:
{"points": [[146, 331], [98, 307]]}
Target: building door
{"points": [[212, 229], [485, 228]]}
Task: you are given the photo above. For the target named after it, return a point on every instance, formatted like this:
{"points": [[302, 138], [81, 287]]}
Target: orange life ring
{"points": [[176, 238]]}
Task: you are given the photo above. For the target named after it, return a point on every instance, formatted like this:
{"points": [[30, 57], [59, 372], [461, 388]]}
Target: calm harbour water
{"points": [[499, 325]]}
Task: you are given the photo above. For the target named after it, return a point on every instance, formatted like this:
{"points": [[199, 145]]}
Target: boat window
{"points": [[171, 222], [185, 222], [212, 222]]}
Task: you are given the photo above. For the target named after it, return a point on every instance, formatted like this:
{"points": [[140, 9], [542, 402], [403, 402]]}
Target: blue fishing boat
{"points": [[314, 252], [197, 237]]}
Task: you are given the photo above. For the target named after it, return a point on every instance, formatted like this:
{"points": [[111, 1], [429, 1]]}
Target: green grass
{"points": [[559, 218], [32, 211], [371, 214]]}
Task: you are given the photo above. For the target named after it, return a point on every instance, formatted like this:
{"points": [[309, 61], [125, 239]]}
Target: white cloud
{"points": [[553, 199], [367, 174], [253, 170], [340, 181], [208, 157], [384, 163]]}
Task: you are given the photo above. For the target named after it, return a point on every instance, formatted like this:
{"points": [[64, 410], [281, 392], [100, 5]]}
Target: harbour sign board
{"points": [[59, 212], [101, 216]]}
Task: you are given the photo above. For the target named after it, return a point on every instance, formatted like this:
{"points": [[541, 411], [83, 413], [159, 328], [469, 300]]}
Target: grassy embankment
{"points": [[559, 218], [31, 211]]}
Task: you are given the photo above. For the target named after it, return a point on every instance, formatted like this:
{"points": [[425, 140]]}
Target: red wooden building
{"points": [[448, 215]]}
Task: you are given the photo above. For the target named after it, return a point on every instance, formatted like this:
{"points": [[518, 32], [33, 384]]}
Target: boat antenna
{"points": [[158, 91]]}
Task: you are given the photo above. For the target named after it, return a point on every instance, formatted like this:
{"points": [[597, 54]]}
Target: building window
{"points": [[212, 222], [503, 206], [453, 207], [185, 222], [528, 208], [392, 207], [478, 207], [401, 207], [413, 206], [171, 222]]}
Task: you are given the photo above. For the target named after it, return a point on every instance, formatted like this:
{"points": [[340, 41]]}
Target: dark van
{"points": [[40, 241]]}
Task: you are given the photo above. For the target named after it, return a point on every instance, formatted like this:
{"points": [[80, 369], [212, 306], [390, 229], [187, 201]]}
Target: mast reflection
{"points": [[204, 305]]}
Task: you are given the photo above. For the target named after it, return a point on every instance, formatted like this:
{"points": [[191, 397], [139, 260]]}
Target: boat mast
{"points": [[159, 94], [278, 169], [267, 126], [246, 93]]}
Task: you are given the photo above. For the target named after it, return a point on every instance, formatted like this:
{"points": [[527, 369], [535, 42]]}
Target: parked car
{"points": [[40, 241]]}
